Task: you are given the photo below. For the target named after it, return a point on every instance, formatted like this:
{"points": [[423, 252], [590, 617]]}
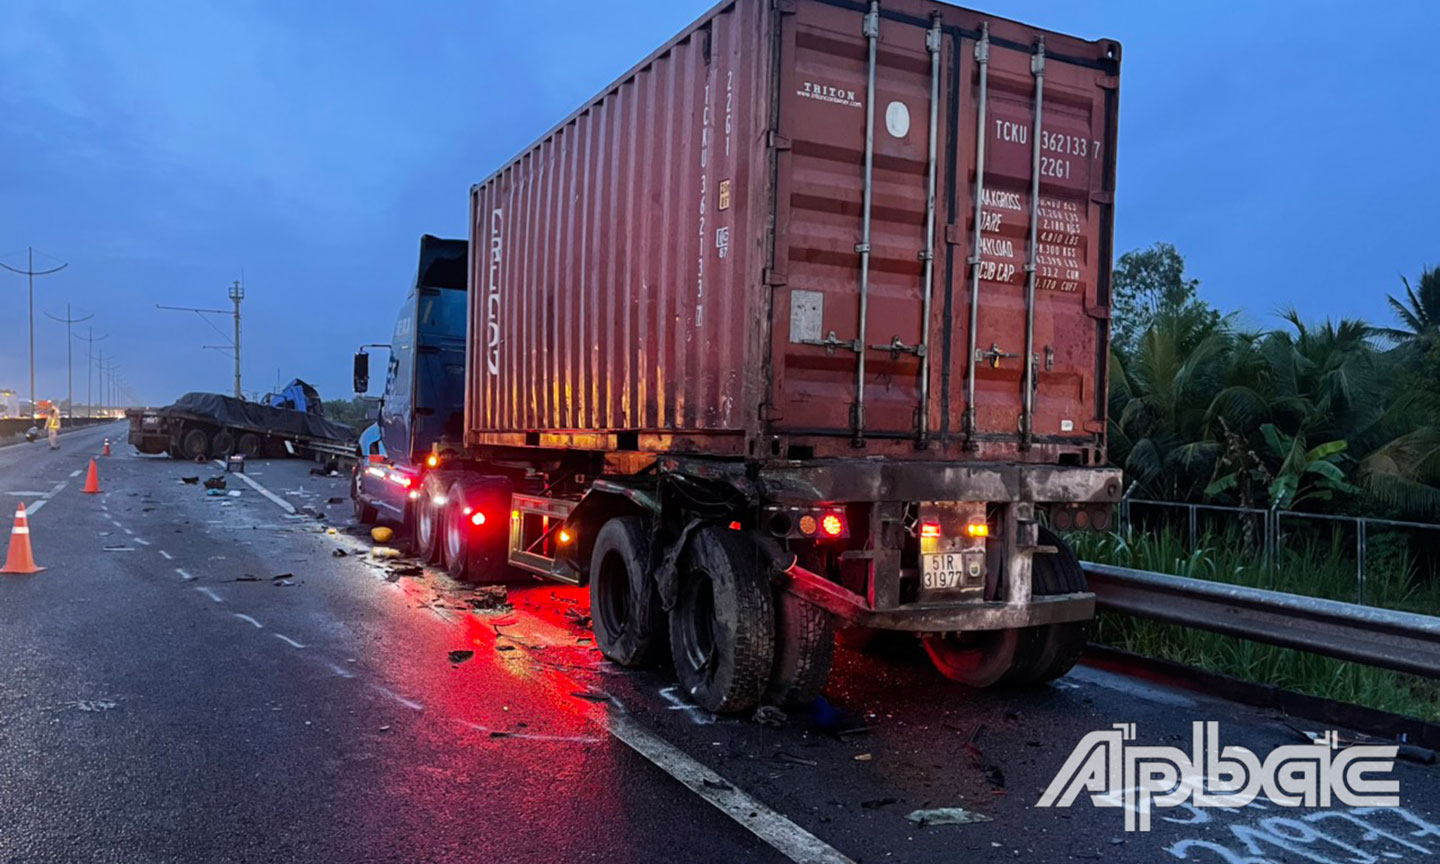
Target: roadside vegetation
{"points": [[1337, 417]]}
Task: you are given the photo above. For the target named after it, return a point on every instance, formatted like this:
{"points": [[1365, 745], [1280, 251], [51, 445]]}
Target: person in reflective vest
{"points": [[52, 426]]}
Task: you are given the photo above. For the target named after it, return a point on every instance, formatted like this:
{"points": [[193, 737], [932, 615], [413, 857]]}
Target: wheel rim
{"points": [[975, 659], [454, 538], [425, 524], [194, 443], [614, 594], [697, 627]]}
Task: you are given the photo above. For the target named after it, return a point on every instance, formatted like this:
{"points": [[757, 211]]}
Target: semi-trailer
{"points": [[801, 323]]}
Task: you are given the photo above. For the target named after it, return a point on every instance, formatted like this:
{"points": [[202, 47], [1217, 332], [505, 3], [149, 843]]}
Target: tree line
{"points": [[1336, 416]]}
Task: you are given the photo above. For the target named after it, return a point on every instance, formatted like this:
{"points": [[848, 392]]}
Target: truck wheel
{"points": [[249, 445], [722, 629], [625, 608], [985, 658], [804, 648], [195, 443], [428, 521], [479, 553], [1027, 655], [222, 444], [364, 513], [1061, 644]]}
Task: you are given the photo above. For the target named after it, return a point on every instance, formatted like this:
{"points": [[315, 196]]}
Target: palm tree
{"points": [[1421, 314]]}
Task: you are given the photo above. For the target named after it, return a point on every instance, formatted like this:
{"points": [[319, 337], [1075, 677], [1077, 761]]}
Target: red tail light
{"points": [[477, 518], [832, 525], [929, 529]]}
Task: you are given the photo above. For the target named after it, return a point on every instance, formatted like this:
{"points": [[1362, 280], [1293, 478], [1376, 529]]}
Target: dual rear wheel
{"points": [[460, 525]]}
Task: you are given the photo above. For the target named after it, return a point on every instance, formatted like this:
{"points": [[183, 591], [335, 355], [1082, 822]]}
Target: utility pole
{"points": [[90, 339], [30, 273], [237, 293], [69, 363]]}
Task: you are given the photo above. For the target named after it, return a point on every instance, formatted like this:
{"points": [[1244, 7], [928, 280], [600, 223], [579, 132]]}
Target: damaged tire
{"points": [[222, 444], [1061, 644], [804, 649], [249, 445], [625, 608], [722, 629]]}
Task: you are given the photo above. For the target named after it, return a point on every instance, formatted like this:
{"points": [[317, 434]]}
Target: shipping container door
{"points": [[831, 375], [1069, 162]]}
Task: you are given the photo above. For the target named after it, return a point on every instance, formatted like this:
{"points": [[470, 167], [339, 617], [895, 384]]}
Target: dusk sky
{"points": [[1287, 149]]}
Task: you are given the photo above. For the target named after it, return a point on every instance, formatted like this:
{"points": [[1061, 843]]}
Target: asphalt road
{"points": [[164, 698]]}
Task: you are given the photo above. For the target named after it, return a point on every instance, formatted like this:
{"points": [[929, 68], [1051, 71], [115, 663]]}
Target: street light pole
{"points": [[90, 339], [69, 363], [30, 273], [237, 293]]}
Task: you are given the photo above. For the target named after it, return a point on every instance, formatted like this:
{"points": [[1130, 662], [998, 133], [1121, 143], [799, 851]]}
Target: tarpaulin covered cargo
{"points": [[808, 228], [255, 416]]}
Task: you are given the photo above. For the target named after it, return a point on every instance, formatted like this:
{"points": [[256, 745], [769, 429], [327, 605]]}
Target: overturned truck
{"points": [[802, 323], [208, 425]]}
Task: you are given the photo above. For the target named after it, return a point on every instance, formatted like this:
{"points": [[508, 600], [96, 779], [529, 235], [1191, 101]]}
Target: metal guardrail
{"points": [[1399, 641]]}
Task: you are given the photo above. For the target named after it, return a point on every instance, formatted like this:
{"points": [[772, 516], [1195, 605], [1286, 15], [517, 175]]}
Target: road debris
{"points": [[460, 656], [339, 553], [190, 481], [863, 757], [946, 816], [334, 500], [877, 803], [792, 759], [576, 617], [382, 534], [247, 577], [769, 715], [407, 570], [491, 598], [590, 695], [385, 552], [216, 482]]}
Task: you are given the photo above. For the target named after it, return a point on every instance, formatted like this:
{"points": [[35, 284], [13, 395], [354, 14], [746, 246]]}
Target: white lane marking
{"points": [[784, 836], [142, 542], [185, 576], [258, 625], [287, 640], [57, 489], [697, 715], [35, 508], [75, 473], [166, 555], [208, 593], [29, 494], [408, 703], [281, 502], [128, 531], [339, 670]]}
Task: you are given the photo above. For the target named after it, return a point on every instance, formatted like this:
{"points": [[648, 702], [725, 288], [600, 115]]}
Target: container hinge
{"points": [[769, 413], [982, 51], [993, 356], [896, 348], [933, 35], [775, 141], [775, 278], [831, 342], [1100, 312], [952, 237], [1049, 359], [871, 28]]}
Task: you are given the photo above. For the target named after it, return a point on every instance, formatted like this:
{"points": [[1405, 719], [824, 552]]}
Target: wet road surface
{"points": [[164, 697]]}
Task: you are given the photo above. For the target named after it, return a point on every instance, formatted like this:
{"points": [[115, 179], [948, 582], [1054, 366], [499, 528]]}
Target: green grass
{"points": [[1316, 567]]}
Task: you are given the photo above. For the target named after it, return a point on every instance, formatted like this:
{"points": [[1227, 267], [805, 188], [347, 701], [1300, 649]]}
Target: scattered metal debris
{"points": [[769, 715], [946, 816], [491, 598], [461, 655]]}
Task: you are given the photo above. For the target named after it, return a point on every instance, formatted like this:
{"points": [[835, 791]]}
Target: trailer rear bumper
{"points": [[937, 617]]}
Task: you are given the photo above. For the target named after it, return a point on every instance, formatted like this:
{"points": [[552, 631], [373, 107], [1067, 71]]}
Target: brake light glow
{"points": [[977, 529], [807, 525], [565, 537], [400, 479], [929, 529], [832, 524], [734, 526], [432, 460], [477, 518]]}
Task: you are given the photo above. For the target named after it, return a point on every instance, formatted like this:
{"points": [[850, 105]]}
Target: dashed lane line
{"points": [[75, 473], [208, 593], [166, 555], [281, 502], [249, 620], [186, 577], [287, 640], [142, 542]]}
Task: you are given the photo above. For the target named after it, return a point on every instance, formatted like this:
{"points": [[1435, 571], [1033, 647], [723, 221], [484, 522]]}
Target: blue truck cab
{"points": [[422, 409]]}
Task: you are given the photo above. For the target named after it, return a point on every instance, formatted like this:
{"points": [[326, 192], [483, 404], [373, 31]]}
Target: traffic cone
{"points": [[107, 446], [92, 480], [20, 559]]}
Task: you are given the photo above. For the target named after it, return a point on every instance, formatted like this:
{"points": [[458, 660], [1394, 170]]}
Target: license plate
{"points": [[942, 570]]}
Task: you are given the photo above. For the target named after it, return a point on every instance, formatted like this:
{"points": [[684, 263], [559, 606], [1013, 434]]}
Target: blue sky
{"points": [[1287, 149]]}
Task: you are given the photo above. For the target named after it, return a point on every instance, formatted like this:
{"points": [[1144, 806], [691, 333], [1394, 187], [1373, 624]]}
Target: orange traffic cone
{"points": [[92, 480], [20, 559], [107, 446]]}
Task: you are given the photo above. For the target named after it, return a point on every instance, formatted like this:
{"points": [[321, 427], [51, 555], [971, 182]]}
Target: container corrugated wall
{"points": [[610, 262], [680, 260]]}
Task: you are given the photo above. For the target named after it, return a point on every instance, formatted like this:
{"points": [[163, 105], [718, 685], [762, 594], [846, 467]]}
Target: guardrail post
{"points": [[1192, 527], [1360, 561]]}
